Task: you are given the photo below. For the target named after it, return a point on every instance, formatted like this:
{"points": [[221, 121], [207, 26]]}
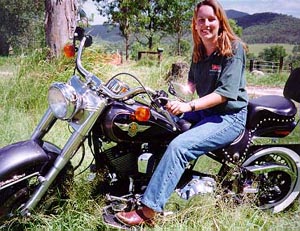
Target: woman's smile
{"points": [[206, 31], [207, 23]]}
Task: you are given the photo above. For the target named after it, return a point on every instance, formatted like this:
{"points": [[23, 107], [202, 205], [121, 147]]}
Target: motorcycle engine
{"points": [[130, 160], [130, 167]]}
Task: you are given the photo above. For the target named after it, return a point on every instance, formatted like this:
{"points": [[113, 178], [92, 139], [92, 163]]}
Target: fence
{"points": [[269, 66], [158, 53]]}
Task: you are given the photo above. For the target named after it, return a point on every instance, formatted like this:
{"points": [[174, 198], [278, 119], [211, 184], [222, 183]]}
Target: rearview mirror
{"points": [[181, 91], [88, 41], [79, 33]]}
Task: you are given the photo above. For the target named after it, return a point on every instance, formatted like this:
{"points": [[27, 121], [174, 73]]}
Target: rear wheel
{"points": [[276, 177], [13, 197]]}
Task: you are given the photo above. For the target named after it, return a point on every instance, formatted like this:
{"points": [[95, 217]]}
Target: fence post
{"points": [[139, 55], [291, 67], [280, 64], [251, 65]]}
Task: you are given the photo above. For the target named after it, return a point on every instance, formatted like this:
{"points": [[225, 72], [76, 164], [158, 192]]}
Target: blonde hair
{"points": [[226, 34]]}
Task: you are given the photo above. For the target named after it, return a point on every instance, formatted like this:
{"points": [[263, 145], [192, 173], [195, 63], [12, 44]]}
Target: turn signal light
{"points": [[69, 50], [142, 114]]}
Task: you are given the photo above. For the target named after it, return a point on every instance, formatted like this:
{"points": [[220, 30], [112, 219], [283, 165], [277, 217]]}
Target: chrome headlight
{"points": [[63, 100]]}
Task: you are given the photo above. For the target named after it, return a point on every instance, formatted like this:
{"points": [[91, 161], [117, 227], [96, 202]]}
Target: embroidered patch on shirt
{"points": [[215, 68]]}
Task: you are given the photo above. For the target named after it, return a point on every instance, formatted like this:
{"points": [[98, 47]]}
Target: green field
{"points": [[24, 84], [257, 48]]}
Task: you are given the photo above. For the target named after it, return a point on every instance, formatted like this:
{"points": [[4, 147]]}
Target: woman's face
{"points": [[207, 24]]}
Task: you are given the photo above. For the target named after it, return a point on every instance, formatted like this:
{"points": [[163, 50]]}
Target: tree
{"points": [[141, 18], [296, 50], [148, 19], [177, 17], [121, 13], [294, 59], [21, 21], [273, 53], [60, 24], [236, 29]]}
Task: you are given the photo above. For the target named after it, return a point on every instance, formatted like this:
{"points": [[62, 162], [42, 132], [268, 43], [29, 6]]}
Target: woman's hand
{"points": [[176, 107], [208, 101]]}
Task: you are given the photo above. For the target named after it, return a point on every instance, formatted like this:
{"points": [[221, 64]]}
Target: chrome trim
{"points": [[6, 185], [68, 151], [259, 169], [293, 160], [44, 125]]}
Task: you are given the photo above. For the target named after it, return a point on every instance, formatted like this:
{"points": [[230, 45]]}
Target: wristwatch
{"points": [[192, 105]]}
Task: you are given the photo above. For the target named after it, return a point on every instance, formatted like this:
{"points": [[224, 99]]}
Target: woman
{"points": [[219, 114]]}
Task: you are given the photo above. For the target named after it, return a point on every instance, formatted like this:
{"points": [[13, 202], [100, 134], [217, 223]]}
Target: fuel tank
{"points": [[119, 124]]}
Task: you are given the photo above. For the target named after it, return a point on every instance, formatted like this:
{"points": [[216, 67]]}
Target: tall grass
{"points": [[268, 80], [23, 98]]}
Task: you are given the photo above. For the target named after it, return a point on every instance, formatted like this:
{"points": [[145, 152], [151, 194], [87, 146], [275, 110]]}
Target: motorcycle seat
{"points": [[273, 108]]}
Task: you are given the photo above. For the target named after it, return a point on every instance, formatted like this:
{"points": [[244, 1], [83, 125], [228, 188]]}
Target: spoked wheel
{"points": [[13, 197], [275, 174]]}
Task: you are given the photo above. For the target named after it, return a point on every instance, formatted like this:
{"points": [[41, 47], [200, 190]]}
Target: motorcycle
{"points": [[128, 130]]}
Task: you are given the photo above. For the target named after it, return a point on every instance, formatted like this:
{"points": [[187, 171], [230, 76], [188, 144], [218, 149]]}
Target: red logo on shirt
{"points": [[216, 67]]}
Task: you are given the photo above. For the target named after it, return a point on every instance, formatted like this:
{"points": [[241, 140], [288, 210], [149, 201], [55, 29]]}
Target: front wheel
{"points": [[274, 172], [13, 197]]}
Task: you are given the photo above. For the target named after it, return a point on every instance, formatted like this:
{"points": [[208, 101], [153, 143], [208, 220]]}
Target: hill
{"points": [[105, 32], [257, 28], [269, 28], [235, 14]]}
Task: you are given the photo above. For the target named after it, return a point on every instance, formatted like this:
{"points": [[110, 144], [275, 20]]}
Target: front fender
{"points": [[24, 155]]}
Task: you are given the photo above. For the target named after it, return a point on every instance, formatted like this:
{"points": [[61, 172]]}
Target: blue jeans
{"points": [[210, 133]]}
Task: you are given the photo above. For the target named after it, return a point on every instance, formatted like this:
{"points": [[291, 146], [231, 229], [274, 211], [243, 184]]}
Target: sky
{"points": [[289, 7]]}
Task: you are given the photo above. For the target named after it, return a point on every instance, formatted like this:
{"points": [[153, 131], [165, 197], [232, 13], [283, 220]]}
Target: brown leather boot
{"points": [[141, 216]]}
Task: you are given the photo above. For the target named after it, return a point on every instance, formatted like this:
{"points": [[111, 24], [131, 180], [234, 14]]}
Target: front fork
{"points": [[67, 152]]}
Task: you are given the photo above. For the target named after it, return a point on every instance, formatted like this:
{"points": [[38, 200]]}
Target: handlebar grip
{"points": [[163, 97]]}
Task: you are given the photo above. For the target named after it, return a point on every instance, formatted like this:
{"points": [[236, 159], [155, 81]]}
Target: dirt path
{"points": [[255, 91], [5, 73]]}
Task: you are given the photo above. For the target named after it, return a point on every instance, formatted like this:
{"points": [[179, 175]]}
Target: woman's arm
{"points": [[208, 101]]}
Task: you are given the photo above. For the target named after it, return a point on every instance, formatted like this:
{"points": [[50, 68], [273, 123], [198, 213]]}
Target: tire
{"points": [[13, 197], [277, 187]]}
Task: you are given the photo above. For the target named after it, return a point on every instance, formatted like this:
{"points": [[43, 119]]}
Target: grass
{"points": [[257, 48], [268, 80], [23, 100]]}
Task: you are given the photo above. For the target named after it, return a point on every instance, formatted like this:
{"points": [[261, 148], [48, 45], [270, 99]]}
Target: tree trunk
{"points": [[178, 44], [4, 46], [60, 24], [127, 48], [150, 45]]}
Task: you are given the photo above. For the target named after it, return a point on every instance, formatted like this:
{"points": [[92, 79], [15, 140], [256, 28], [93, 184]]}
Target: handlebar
{"points": [[96, 83], [79, 66]]}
